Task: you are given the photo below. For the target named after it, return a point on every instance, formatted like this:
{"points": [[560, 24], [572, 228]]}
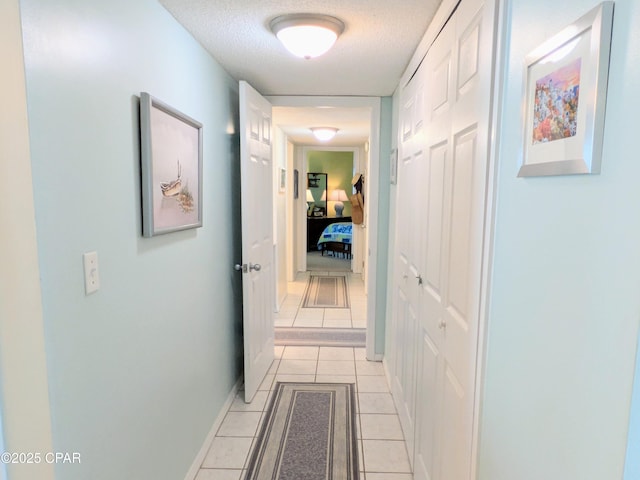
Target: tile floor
{"points": [[381, 446], [292, 315], [382, 450]]}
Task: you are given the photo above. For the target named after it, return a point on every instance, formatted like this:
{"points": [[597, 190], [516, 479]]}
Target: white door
{"points": [[407, 256], [258, 282], [458, 69]]}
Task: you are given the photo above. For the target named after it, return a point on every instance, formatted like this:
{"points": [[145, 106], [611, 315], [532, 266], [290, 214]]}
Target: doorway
{"points": [[290, 133], [328, 230]]}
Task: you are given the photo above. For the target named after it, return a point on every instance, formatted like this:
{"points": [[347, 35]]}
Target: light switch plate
{"points": [[91, 274]]}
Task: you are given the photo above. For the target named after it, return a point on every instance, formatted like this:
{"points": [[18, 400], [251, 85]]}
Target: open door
{"points": [[258, 282]]}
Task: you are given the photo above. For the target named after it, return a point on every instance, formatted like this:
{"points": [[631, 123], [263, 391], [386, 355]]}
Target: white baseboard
{"points": [[195, 466]]}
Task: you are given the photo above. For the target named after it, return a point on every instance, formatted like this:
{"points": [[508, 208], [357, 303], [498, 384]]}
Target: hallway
{"points": [[291, 313], [382, 450], [381, 446]]}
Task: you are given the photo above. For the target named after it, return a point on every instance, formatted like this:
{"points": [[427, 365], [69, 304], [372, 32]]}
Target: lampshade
{"points": [[309, 196], [338, 196], [307, 35], [323, 198], [324, 134]]}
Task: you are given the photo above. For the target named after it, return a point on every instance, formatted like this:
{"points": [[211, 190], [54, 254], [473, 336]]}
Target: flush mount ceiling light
{"points": [[307, 35], [324, 134]]}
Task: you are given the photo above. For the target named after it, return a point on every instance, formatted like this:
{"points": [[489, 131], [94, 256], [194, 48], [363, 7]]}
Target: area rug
{"points": [[324, 337], [326, 291], [308, 434]]}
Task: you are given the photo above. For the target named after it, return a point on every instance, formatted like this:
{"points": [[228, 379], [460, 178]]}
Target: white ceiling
{"points": [[352, 124], [368, 59]]}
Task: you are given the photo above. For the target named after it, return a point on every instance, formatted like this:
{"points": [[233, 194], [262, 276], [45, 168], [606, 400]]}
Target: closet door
{"points": [[407, 253], [438, 67], [457, 121]]}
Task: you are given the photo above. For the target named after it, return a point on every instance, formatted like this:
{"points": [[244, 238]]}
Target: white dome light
{"points": [[307, 35], [324, 134]]}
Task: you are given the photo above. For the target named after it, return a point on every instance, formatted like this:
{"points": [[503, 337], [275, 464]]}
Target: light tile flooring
{"points": [[382, 450], [381, 446], [292, 315]]}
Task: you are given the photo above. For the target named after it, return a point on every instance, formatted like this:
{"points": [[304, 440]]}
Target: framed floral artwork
{"points": [[564, 98]]}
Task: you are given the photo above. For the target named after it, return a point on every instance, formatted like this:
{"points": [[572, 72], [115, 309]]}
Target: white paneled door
{"points": [[442, 189], [258, 285], [407, 257]]}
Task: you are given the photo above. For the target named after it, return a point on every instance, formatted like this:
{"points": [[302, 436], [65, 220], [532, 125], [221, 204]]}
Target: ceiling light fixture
{"points": [[307, 35], [324, 134]]}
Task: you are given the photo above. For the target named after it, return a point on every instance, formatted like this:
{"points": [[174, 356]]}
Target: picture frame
{"points": [[282, 180], [565, 89], [171, 168]]}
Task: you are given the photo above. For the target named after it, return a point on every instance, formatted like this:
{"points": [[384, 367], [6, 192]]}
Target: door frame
{"points": [[300, 247], [373, 103], [25, 411]]}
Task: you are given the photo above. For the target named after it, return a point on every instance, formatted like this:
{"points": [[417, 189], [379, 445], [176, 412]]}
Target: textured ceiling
{"points": [[367, 60]]}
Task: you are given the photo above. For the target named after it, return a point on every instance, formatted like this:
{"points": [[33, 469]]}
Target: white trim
{"points": [[373, 103], [500, 59], [24, 383], [197, 462]]}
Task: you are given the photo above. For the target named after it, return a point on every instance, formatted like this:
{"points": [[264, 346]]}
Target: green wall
{"points": [[339, 169]]}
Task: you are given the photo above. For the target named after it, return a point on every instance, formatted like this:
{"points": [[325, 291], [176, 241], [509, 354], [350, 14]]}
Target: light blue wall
{"points": [[565, 302], [139, 370]]}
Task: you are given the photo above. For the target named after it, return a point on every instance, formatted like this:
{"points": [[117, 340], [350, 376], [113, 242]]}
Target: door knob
{"points": [[442, 324], [244, 268]]}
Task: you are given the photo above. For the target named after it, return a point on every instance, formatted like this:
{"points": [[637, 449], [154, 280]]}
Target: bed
{"points": [[336, 239]]}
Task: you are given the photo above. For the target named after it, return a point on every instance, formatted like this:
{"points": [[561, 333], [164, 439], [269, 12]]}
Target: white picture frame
{"points": [[565, 89], [171, 168]]}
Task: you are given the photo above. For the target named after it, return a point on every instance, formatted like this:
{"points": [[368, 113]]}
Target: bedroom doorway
{"points": [[359, 119], [329, 241]]}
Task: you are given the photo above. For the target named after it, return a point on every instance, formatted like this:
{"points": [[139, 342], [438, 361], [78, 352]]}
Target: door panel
{"points": [[460, 236], [258, 285], [427, 448], [456, 439], [408, 253], [435, 219]]}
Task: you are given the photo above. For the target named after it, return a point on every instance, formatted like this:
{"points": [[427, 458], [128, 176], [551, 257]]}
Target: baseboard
{"points": [[195, 466]]}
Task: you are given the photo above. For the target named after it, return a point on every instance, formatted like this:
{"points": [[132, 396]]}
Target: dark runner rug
{"points": [[308, 434], [326, 291], [323, 337]]}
